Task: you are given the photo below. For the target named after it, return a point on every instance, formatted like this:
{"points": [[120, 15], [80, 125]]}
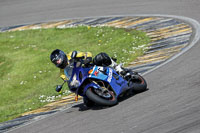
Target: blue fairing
{"points": [[106, 74], [109, 75], [93, 85]]}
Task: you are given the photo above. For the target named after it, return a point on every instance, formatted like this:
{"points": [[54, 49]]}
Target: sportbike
{"points": [[100, 85]]}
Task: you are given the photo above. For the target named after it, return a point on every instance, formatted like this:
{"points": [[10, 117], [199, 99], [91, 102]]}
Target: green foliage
{"points": [[28, 78]]}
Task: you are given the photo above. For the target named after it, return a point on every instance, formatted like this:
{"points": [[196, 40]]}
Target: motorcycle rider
{"points": [[61, 60]]}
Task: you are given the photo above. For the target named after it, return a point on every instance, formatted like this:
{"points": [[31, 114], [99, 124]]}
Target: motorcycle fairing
{"points": [[109, 75], [97, 73], [118, 84], [105, 74]]}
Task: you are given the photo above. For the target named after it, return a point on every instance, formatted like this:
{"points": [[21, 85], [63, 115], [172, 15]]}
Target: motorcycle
{"points": [[100, 85]]}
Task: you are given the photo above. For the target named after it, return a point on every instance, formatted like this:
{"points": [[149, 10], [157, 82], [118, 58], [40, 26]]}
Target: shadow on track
{"points": [[128, 95]]}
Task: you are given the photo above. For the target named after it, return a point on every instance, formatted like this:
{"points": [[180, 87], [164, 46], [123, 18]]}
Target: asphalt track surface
{"points": [[171, 105]]}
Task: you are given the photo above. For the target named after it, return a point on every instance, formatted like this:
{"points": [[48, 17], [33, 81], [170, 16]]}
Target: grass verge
{"points": [[28, 78]]}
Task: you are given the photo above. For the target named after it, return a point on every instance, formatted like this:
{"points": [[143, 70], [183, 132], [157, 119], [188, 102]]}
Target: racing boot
{"points": [[124, 72], [118, 68]]}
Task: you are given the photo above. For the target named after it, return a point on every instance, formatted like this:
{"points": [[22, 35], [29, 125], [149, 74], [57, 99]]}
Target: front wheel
{"points": [[100, 97], [88, 102]]}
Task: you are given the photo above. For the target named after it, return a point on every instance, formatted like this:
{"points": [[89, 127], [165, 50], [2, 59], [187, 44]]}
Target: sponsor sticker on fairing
{"points": [[92, 71], [110, 75]]}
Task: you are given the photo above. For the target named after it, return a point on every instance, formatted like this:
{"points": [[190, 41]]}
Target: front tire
{"points": [[92, 95], [88, 102]]}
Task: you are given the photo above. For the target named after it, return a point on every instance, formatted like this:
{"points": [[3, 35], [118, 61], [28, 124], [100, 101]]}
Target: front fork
{"points": [[76, 95], [94, 85]]}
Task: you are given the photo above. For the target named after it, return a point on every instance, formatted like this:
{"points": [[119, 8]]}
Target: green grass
{"points": [[28, 78]]}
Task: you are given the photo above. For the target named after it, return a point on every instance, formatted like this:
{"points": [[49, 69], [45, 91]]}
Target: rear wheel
{"points": [[139, 84]]}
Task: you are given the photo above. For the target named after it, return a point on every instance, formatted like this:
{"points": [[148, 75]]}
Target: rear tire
{"points": [[139, 85], [100, 100]]}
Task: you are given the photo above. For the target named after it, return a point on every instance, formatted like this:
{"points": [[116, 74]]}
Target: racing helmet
{"points": [[59, 58]]}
